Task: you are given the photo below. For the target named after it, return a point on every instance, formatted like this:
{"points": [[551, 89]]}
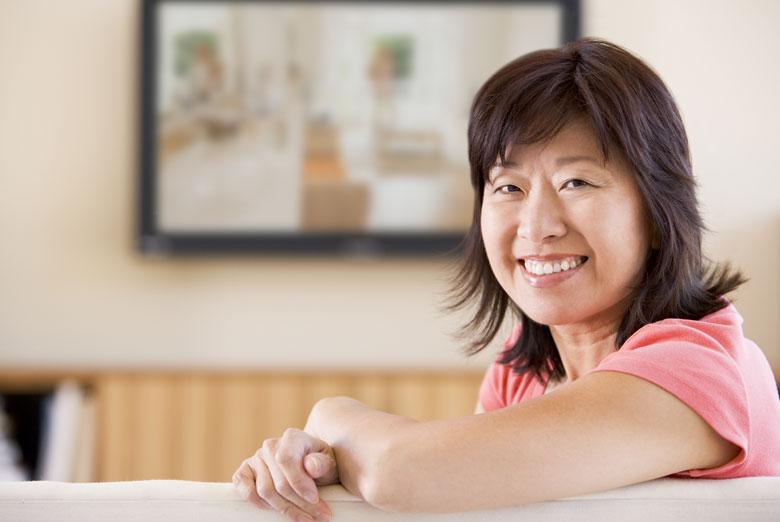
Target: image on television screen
{"points": [[311, 117]]}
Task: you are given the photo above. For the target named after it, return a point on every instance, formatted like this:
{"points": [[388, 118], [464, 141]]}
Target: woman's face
{"points": [[566, 237]]}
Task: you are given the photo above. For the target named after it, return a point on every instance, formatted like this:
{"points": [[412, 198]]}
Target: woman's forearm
{"points": [[359, 436]]}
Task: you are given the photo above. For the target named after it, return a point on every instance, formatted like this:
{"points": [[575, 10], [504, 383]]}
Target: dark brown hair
{"points": [[529, 100]]}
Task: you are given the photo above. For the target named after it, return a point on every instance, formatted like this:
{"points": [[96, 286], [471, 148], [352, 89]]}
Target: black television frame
{"points": [[153, 242]]}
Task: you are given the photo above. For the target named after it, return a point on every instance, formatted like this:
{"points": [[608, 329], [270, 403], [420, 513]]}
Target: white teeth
{"points": [[537, 268]]}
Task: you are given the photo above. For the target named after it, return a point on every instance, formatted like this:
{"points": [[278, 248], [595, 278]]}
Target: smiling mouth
{"points": [[549, 267]]}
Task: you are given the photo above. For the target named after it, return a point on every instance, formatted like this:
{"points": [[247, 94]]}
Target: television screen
{"points": [[319, 126]]}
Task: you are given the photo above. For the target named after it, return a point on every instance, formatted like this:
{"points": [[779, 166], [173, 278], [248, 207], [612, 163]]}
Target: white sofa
{"points": [[752, 499]]}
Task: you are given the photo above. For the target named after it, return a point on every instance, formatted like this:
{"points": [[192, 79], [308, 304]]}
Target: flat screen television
{"points": [[319, 127]]}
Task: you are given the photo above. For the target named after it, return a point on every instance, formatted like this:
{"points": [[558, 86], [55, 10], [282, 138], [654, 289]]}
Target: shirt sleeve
{"points": [[490, 395], [492, 391], [698, 370]]}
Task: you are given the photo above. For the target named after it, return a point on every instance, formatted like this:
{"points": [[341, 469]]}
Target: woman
{"points": [[586, 227]]}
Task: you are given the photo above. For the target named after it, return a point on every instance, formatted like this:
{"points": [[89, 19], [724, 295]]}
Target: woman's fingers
{"points": [[244, 481], [282, 486], [322, 467], [293, 449], [284, 474], [265, 489]]}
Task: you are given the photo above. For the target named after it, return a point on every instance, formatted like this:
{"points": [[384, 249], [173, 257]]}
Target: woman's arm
{"points": [[360, 438], [602, 431]]}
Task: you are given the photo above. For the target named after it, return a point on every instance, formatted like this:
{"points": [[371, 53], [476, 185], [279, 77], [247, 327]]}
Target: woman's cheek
{"points": [[495, 228], [487, 222], [622, 255], [492, 239]]}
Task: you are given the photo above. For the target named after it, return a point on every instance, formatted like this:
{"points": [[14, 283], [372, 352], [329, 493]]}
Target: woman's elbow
{"points": [[379, 497], [387, 482], [382, 496]]}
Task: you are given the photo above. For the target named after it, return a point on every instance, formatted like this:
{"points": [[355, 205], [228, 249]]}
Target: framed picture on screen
{"points": [[319, 127]]}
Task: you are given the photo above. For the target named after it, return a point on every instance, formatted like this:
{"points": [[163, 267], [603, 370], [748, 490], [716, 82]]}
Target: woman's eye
{"points": [[506, 189], [576, 183]]}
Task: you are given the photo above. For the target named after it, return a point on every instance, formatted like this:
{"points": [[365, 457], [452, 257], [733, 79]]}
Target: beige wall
{"points": [[73, 291]]}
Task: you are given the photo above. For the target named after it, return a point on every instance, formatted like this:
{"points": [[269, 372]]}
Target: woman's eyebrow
{"points": [[565, 160], [560, 162]]}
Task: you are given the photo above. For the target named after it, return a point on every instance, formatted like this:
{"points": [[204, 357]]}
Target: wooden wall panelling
{"points": [[196, 416], [114, 428], [155, 432], [455, 395], [411, 396], [373, 390], [201, 426], [283, 405], [238, 424], [319, 386]]}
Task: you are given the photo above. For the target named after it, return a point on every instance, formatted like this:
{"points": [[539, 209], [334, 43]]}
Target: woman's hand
{"points": [[284, 474]]}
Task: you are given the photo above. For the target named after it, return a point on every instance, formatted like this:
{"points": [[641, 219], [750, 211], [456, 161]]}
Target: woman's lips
{"points": [[547, 280]]}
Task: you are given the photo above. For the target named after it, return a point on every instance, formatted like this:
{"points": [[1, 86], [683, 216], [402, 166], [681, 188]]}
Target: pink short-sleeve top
{"points": [[708, 364]]}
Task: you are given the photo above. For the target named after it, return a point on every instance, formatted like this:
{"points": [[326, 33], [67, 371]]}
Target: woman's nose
{"points": [[540, 218]]}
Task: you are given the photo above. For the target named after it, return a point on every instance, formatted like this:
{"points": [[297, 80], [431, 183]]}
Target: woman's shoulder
{"points": [[709, 365], [721, 329]]}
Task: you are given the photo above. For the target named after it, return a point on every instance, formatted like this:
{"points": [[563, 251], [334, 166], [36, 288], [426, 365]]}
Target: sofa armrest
{"points": [[751, 499]]}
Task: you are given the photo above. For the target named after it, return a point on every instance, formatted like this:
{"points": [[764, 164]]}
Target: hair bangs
{"points": [[527, 118]]}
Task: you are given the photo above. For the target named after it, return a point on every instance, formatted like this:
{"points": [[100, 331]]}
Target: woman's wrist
{"points": [[328, 415]]}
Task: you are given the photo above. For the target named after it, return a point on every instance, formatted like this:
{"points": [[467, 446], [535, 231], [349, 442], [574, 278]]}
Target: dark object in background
{"points": [[25, 416]]}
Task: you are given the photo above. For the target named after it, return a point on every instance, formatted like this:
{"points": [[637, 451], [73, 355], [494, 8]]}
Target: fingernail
{"points": [[310, 497]]}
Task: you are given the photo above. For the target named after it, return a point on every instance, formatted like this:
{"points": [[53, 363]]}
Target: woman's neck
{"points": [[583, 346]]}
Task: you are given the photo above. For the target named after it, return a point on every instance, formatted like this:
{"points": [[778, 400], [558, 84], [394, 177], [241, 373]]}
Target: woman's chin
{"points": [[551, 316]]}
